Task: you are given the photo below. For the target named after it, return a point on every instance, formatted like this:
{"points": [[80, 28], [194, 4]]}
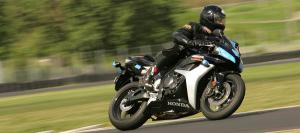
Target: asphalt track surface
{"points": [[251, 122]]}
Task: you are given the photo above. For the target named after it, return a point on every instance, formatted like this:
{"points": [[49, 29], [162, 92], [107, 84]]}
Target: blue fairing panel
{"points": [[236, 52], [225, 54]]}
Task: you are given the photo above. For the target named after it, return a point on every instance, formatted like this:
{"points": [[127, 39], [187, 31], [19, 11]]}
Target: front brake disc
{"points": [[225, 97]]}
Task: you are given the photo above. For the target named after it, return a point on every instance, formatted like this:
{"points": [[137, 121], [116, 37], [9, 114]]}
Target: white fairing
{"points": [[192, 78]]}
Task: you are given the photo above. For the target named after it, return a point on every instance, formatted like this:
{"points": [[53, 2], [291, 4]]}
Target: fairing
{"points": [[192, 79]]}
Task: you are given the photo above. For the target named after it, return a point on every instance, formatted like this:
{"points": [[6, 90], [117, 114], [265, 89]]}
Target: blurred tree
{"points": [[106, 18], [55, 34], [4, 45], [23, 22], [151, 22], [47, 27], [83, 24]]}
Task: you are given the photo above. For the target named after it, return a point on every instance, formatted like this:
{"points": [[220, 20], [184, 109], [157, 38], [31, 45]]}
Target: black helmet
{"points": [[213, 17]]}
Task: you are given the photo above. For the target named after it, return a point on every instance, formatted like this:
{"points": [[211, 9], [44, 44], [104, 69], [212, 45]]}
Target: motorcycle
{"points": [[209, 83]]}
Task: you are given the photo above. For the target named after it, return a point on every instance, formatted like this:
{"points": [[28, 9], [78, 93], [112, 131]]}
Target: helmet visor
{"points": [[220, 19]]}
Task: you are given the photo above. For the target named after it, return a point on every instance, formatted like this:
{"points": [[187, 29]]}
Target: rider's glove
{"points": [[194, 43], [198, 43]]}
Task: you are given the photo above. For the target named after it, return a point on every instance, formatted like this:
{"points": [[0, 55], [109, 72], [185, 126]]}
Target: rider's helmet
{"points": [[213, 17]]}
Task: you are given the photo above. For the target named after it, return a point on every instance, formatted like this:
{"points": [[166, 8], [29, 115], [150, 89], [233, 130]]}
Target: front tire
{"points": [[137, 112], [233, 99]]}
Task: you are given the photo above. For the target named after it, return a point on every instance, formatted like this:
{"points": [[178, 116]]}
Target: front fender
{"points": [[225, 73]]}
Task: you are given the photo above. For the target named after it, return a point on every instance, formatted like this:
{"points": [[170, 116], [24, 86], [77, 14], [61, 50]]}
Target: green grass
{"points": [[271, 86], [55, 110], [267, 86]]}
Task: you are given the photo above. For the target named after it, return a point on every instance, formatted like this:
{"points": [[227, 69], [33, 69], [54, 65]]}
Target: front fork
{"points": [[216, 84]]}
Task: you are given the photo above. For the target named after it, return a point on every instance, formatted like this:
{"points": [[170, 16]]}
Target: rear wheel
{"points": [[221, 103], [127, 117]]}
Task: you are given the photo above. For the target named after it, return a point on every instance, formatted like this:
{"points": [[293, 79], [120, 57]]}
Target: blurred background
{"points": [[51, 39], [46, 43]]}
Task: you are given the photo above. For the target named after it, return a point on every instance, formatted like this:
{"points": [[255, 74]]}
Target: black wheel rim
{"points": [[213, 102]]}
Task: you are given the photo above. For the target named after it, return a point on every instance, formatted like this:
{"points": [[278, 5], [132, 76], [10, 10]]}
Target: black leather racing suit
{"points": [[190, 35]]}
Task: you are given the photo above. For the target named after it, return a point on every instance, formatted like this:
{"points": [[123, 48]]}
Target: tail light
{"points": [[155, 70]]}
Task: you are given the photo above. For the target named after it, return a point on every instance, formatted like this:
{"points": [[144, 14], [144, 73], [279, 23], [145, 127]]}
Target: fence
{"points": [[88, 63]]}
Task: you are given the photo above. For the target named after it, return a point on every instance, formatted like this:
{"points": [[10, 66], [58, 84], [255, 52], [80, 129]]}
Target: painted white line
{"points": [[78, 130], [94, 130], [201, 118], [286, 131], [50, 131], [270, 109], [191, 119]]}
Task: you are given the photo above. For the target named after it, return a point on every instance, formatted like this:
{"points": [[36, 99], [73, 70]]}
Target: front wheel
{"points": [[127, 117], [219, 103]]}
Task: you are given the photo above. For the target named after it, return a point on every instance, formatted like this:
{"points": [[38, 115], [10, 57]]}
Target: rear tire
{"points": [[238, 96], [140, 114]]}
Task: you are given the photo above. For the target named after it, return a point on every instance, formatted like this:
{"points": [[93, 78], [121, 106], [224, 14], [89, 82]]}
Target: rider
{"points": [[192, 35]]}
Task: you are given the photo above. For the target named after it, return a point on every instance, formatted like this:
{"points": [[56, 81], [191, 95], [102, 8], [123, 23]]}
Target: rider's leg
{"points": [[167, 58], [164, 60]]}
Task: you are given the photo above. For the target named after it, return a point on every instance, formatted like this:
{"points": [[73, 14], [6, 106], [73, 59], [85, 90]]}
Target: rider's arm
{"points": [[184, 35]]}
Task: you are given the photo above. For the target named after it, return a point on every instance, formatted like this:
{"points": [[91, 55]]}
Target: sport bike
{"points": [[209, 83]]}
